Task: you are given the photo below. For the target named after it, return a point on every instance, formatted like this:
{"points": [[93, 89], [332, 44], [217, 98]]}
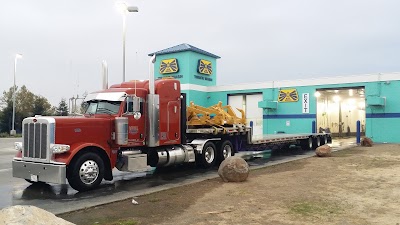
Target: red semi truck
{"points": [[131, 126]]}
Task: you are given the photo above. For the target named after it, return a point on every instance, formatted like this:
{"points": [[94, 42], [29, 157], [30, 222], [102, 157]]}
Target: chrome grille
{"points": [[35, 140]]}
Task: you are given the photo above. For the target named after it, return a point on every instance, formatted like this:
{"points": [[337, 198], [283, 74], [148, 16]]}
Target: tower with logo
{"points": [[195, 68]]}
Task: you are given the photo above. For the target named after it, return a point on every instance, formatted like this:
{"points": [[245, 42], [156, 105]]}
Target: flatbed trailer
{"points": [[242, 138]]}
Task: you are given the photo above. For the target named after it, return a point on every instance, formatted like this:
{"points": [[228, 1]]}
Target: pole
{"points": [[358, 138], [13, 132], [313, 127], [123, 44]]}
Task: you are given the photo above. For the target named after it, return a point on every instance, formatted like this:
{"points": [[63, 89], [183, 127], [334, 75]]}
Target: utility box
{"points": [[375, 101], [134, 162], [267, 104]]}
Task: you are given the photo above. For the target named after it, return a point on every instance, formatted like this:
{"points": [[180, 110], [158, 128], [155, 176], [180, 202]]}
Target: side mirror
{"points": [[133, 106]]}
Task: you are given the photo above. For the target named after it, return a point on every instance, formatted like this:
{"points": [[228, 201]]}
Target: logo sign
{"points": [[288, 95], [306, 103], [169, 66], [204, 67]]}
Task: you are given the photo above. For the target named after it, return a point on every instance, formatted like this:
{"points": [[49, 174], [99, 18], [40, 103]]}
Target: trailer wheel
{"points": [[329, 138], [86, 172], [324, 140], [225, 150], [316, 142], [306, 144], [208, 157]]}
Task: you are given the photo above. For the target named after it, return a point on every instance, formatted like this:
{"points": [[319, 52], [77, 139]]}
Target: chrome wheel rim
{"points": [[89, 172], [227, 151], [209, 154], [318, 141], [310, 145]]}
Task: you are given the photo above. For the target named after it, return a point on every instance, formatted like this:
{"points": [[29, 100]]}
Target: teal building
{"points": [[331, 104]]}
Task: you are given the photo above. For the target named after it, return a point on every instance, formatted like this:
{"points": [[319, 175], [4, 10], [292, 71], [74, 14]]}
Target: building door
{"points": [[254, 115]]}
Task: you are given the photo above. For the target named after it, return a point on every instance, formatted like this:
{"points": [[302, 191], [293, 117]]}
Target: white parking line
{"points": [[5, 170]]}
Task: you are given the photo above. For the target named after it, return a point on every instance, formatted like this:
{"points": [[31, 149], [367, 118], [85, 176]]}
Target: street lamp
{"points": [[124, 9], [13, 132]]}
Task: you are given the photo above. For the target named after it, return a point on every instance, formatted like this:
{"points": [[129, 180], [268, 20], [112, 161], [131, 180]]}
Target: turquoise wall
{"points": [[183, 65], [198, 78], [198, 97], [382, 122]]}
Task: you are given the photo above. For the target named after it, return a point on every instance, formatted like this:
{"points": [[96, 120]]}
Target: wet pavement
{"points": [[62, 198]]}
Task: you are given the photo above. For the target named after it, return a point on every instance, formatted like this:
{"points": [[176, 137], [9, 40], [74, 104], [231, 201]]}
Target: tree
{"points": [[41, 106], [26, 104], [62, 109]]}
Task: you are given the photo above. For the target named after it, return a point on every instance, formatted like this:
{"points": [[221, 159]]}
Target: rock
{"points": [[323, 151], [367, 142], [234, 169], [26, 214]]}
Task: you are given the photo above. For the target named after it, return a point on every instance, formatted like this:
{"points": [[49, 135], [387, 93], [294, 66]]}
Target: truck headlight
{"points": [[18, 146], [58, 148]]}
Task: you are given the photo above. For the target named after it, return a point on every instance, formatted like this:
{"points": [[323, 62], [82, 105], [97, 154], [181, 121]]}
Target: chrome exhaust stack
{"points": [[104, 70], [153, 108]]}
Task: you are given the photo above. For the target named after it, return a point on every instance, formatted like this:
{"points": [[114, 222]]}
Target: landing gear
{"points": [[86, 172]]}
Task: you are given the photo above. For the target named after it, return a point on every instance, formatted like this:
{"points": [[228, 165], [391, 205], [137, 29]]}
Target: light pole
{"points": [[124, 9], [13, 132]]}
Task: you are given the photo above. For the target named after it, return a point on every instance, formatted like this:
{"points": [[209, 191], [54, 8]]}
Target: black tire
{"points": [[306, 144], [316, 142], [225, 150], [324, 140], [86, 172], [329, 139], [208, 157]]}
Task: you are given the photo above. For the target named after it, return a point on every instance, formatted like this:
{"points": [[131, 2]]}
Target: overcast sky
{"points": [[64, 42]]}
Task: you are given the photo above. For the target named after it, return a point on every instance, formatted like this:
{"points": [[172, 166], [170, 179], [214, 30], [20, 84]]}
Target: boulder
{"points": [[26, 214], [234, 169], [323, 151], [367, 142]]}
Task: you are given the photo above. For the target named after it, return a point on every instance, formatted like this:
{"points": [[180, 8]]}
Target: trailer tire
{"points": [[225, 150], [86, 172], [329, 138], [324, 140], [208, 157], [316, 142], [306, 144]]}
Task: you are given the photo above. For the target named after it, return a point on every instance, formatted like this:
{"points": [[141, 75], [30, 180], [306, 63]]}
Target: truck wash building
{"points": [[331, 104]]}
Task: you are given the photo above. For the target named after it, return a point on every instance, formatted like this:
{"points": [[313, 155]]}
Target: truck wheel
{"points": [[225, 150], [316, 142], [306, 144], [86, 172], [208, 157]]}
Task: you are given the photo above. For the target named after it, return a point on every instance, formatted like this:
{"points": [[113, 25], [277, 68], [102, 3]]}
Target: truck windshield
{"points": [[102, 107]]}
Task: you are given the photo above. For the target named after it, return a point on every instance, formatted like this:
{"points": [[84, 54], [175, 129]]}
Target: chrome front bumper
{"points": [[51, 173]]}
